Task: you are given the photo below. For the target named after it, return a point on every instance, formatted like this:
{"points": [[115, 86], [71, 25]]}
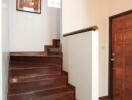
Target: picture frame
{"points": [[32, 6]]}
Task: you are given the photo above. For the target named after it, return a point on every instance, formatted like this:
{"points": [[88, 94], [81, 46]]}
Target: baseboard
{"points": [[73, 87], [103, 98]]}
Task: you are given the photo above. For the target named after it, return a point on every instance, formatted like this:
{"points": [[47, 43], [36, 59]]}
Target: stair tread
{"points": [[34, 89], [32, 54], [31, 65], [35, 78], [34, 72], [65, 95], [18, 67], [43, 91]]}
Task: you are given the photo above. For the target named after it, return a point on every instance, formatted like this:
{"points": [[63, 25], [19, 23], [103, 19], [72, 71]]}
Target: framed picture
{"points": [[33, 6]]}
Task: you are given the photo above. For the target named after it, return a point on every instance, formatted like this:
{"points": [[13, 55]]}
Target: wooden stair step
{"points": [[38, 85], [34, 58], [64, 93], [21, 67], [30, 78], [34, 61], [53, 51], [67, 95], [32, 54], [34, 71], [31, 65], [28, 54], [56, 43]]}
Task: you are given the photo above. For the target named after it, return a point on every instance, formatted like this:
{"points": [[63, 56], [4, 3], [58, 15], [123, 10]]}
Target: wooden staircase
{"points": [[39, 75]]}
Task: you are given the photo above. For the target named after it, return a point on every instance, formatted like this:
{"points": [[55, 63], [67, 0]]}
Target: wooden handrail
{"points": [[93, 28]]}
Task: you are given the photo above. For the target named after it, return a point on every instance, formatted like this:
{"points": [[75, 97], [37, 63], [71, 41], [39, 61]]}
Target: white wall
{"points": [[5, 49], [78, 51], [118, 6], [29, 31], [95, 65], [79, 62], [86, 13], [55, 17]]}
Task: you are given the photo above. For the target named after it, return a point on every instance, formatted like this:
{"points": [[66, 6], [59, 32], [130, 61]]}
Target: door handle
{"points": [[112, 59]]}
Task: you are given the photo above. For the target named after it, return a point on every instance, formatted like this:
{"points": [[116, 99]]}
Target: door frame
{"points": [[110, 77]]}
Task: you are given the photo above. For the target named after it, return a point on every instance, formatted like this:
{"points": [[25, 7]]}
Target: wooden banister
{"points": [[93, 28]]}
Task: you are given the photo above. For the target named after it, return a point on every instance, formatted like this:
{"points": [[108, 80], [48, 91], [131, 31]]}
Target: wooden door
{"points": [[121, 57]]}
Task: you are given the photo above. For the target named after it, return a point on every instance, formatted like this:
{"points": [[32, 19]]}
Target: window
{"points": [[54, 3]]}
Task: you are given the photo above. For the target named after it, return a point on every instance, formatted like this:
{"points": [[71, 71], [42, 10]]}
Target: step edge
{"points": [[29, 68], [58, 77], [36, 91]]}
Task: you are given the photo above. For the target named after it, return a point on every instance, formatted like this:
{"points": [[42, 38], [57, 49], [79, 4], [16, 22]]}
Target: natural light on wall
{"points": [[54, 3], [95, 65]]}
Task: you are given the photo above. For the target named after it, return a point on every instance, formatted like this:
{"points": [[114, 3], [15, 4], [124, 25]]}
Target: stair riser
{"points": [[53, 53], [65, 96], [35, 60], [16, 64], [45, 84], [56, 43], [34, 72], [61, 96], [32, 78]]}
